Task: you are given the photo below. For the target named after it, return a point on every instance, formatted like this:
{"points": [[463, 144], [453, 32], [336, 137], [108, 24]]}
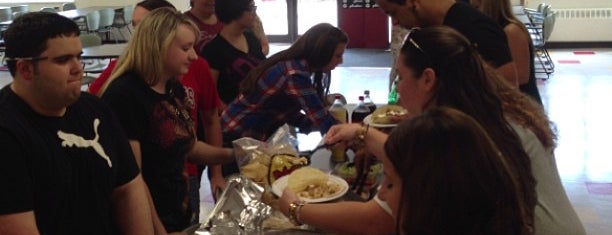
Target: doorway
{"points": [[285, 20]]}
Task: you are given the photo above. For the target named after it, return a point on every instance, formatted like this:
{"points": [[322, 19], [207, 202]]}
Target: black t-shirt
{"points": [[232, 64], [64, 169], [164, 129], [481, 30]]}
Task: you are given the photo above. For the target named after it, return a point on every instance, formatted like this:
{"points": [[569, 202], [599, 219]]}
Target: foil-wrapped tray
{"points": [[240, 210]]}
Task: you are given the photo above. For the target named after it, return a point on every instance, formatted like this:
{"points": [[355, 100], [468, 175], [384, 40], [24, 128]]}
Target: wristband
{"points": [[294, 212]]}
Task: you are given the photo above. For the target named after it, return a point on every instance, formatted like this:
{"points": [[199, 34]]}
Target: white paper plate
{"points": [[280, 184], [368, 120]]}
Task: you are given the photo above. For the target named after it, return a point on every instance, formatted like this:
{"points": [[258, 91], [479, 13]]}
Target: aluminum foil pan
{"points": [[239, 209]]}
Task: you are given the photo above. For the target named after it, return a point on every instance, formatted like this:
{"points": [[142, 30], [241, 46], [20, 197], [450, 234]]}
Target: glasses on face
{"points": [[26, 58]]}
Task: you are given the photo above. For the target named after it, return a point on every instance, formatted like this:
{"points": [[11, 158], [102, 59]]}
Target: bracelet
{"points": [[363, 132], [294, 212]]}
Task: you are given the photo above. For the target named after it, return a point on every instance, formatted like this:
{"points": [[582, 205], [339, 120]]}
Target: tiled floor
{"points": [[577, 98]]}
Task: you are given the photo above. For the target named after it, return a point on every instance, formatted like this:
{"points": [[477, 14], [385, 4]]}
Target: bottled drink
{"points": [[360, 112], [341, 114], [368, 101], [393, 95], [338, 111]]}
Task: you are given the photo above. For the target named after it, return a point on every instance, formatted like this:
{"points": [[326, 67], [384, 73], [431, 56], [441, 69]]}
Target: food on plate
{"points": [[385, 114], [283, 164], [311, 183], [260, 168], [348, 172]]}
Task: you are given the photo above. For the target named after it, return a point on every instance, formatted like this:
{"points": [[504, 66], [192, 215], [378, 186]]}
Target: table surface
{"points": [[82, 12], [104, 51]]}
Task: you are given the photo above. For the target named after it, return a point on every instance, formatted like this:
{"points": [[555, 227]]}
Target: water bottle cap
{"points": [[361, 98], [366, 92]]}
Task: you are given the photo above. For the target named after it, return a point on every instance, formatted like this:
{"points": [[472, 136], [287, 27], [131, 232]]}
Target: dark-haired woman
{"points": [[280, 88], [235, 50], [444, 175]]}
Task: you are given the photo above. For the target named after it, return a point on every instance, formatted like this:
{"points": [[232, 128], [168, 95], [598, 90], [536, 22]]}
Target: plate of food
{"points": [[311, 185], [385, 116]]}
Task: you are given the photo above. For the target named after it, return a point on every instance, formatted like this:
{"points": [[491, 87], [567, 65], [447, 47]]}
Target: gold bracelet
{"points": [[294, 212], [363, 132]]}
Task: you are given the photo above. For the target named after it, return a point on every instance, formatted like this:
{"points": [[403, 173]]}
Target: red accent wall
{"points": [[366, 27]]}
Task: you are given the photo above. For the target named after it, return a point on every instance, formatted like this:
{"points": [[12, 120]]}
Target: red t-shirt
{"points": [[199, 86]]}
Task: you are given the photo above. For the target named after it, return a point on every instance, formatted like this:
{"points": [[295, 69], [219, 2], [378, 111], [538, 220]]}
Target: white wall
{"points": [[570, 3]]}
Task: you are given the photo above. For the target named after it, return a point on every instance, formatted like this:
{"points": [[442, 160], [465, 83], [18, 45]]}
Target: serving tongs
{"points": [[308, 154]]}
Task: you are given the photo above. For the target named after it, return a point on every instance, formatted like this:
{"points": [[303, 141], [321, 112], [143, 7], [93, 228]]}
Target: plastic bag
{"points": [[264, 162]]}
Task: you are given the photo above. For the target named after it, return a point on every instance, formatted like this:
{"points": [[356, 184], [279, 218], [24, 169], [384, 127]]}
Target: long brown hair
{"points": [[316, 46], [500, 10], [462, 83], [524, 110], [454, 179]]}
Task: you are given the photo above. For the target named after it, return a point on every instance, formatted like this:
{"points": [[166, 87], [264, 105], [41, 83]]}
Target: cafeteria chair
{"points": [[6, 14], [540, 35], [92, 22], [68, 6], [18, 14], [48, 9], [107, 17], [17, 11], [123, 19]]}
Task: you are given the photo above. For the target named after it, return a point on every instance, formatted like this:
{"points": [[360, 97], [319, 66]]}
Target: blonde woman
{"points": [[154, 111]]}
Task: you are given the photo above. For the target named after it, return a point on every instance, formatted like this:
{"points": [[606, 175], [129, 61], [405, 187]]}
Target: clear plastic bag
{"points": [[264, 162]]}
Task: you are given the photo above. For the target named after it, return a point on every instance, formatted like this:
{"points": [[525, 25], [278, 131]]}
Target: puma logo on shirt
{"points": [[71, 140]]}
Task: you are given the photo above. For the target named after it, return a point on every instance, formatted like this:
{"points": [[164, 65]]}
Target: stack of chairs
{"points": [[123, 19], [542, 23]]}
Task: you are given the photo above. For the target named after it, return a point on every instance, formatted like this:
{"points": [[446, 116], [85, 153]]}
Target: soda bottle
{"points": [[341, 114], [393, 95], [338, 111], [360, 112], [368, 101]]}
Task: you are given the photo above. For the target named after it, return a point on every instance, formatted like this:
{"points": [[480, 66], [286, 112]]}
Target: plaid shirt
{"points": [[282, 93]]}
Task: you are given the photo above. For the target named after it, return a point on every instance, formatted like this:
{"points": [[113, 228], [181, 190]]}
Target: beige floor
{"points": [[577, 98]]}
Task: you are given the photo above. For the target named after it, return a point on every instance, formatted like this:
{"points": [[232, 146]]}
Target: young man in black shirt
{"points": [[488, 37], [66, 167]]}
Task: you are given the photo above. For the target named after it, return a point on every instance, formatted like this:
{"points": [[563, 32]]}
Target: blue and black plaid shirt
{"points": [[284, 91]]}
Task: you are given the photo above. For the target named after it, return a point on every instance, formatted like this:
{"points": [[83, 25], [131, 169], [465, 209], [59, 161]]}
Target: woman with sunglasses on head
{"points": [[439, 67]]}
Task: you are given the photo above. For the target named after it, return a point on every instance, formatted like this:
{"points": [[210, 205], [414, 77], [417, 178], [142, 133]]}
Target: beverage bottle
{"points": [[368, 101], [360, 112], [338, 111], [393, 97], [341, 114]]}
